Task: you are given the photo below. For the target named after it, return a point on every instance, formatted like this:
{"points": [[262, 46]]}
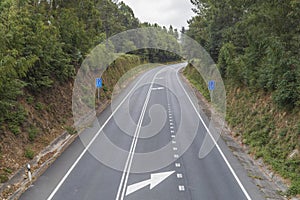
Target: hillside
{"points": [[271, 133], [43, 44], [255, 45]]}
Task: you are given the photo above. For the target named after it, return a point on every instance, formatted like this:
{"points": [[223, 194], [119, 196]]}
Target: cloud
{"points": [[163, 12]]}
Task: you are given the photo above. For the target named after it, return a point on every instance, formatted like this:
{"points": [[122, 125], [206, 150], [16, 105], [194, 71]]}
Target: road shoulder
{"points": [[270, 185]]}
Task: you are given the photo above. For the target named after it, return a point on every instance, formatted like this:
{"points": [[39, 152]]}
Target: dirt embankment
{"points": [[48, 116], [270, 135]]}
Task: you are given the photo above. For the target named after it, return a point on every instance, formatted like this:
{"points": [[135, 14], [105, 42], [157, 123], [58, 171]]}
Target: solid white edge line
{"points": [[93, 139], [217, 145]]}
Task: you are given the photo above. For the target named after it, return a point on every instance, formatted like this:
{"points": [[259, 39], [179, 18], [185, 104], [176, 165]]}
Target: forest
{"points": [[42, 46], [45, 42], [255, 45]]}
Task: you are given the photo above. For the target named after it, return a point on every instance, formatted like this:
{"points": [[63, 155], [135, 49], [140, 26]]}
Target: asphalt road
{"points": [[157, 120]]}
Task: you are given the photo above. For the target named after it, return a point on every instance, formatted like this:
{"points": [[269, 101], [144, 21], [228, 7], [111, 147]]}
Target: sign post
{"points": [[29, 172], [99, 85]]}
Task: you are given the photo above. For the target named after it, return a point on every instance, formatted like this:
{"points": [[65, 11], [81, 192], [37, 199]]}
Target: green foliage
{"points": [[294, 189], [7, 170], [15, 119], [71, 130], [3, 178], [43, 43], [156, 39], [29, 153], [39, 106], [288, 93], [32, 133], [256, 44], [196, 79]]}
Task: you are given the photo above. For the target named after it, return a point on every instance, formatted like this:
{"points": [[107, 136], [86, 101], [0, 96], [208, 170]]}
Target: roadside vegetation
{"points": [[42, 45], [256, 47]]}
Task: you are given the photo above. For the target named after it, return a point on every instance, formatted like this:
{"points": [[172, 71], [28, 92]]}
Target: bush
{"points": [[287, 94], [32, 133], [7, 170], [40, 106], [71, 130], [14, 129], [3, 178], [294, 189], [29, 153]]}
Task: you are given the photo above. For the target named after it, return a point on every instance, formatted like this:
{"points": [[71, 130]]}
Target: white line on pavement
{"points": [[91, 142], [126, 171], [215, 142]]}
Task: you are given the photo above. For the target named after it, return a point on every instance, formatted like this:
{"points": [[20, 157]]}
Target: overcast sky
{"points": [[162, 12]]}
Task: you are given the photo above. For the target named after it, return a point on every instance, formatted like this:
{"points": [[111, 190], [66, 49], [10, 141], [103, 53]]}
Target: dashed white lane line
{"points": [[177, 165], [181, 188], [179, 176], [215, 142]]}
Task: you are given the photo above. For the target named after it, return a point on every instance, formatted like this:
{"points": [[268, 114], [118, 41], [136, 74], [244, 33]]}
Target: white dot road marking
{"points": [[171, 127], [170, 120], [215, 142], [172, 131], [173, 142], [181, 188], [172, 136], [178, 165], [176, 156], [170, 117], [179, 175], [175, 148], [171, 124]]}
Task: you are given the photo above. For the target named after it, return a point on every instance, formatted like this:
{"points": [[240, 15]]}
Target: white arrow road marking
{"points": [[158, 88], [153, 181]]}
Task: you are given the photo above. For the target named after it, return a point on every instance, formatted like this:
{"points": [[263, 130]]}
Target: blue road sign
{"points": [[98, 82], [211, 85]]}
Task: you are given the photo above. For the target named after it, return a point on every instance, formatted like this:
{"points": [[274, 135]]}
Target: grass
{"points": [[29, 153], [71, 130], [32, 133], [196, 79], [3, 178]]}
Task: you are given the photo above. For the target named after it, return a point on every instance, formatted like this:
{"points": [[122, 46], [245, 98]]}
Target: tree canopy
{"points": [[255, 43], [43, 42]]}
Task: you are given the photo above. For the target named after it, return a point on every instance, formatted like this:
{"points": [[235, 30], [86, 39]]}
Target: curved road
{"points": [[157, 113]]}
